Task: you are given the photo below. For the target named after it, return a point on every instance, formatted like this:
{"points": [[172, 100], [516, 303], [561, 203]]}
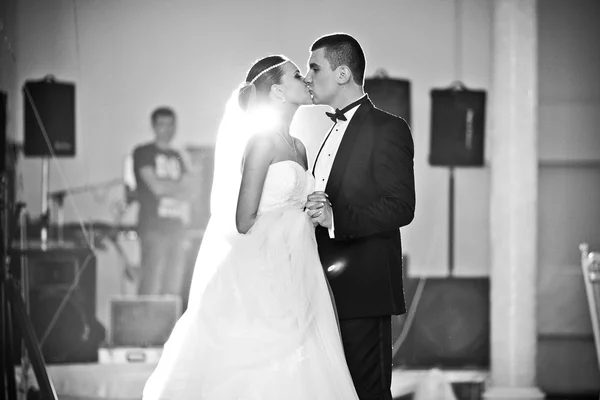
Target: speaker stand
{"points": [[451, 221], [45, 217], [59, 200], [25, 361]]}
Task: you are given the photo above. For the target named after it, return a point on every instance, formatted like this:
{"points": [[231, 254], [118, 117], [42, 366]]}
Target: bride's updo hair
{"points": [[261, 76]]}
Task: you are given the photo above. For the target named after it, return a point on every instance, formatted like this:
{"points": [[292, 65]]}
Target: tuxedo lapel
{"points": [[321, 148], [343, 154]]}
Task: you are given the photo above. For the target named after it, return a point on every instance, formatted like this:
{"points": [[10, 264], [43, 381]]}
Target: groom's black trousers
{"points": [[368, 348]]}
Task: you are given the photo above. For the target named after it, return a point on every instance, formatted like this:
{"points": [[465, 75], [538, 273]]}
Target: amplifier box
{"points": [[143, 321]]}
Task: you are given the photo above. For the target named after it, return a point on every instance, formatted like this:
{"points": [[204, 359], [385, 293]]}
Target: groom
{"points": [[364, 193]]}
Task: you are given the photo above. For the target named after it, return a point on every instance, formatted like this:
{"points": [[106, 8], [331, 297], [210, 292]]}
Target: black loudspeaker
{"points": [[203, 158], [49, 107], [457, 128], [451, 325], [391, 95], [62, 277]]}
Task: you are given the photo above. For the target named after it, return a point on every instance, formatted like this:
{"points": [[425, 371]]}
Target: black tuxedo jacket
{"points": [[372, 192]]}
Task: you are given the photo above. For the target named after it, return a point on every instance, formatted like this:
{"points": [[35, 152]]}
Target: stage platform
{"points": [[126, 381]]}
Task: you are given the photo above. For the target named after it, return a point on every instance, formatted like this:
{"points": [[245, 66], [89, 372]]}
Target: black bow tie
{"points": [[336, 115], [339, 114]]}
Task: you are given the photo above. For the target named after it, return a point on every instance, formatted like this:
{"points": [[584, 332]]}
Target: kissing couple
{"points": [[300, 269]]}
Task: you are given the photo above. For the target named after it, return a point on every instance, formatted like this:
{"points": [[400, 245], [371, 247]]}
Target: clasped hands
{"points": [[318, 208]]}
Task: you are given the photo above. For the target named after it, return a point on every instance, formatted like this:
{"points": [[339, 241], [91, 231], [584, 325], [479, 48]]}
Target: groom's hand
{"points": [[318, 197], [318, 209]]}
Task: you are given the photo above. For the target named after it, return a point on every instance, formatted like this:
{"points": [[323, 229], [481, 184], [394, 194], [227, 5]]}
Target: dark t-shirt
{"points": [[158, 214]]}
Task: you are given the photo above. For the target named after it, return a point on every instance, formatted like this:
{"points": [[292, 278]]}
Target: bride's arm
{"points": [[257, 158]]}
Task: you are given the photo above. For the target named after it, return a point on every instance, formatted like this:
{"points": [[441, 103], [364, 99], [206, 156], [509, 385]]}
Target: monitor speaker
{"points": [[62, 296], [451, 325]]}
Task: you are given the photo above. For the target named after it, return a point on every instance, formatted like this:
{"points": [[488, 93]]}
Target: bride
{"points": [[261, 322]]}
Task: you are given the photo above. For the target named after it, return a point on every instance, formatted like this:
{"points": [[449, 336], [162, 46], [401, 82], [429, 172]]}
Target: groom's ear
{"points": [[343, 74]]}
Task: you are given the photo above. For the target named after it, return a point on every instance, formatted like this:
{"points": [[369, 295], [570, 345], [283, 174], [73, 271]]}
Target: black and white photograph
{"points": [[314, 200]]}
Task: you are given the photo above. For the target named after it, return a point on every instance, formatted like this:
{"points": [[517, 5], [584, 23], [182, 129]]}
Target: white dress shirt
{"points": [[329, 149]]}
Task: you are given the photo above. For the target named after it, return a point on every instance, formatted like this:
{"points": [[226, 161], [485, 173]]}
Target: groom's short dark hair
{"points": [[343, 49]]}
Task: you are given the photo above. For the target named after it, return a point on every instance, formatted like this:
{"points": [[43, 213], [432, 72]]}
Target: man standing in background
{"points": [[165, 188]]}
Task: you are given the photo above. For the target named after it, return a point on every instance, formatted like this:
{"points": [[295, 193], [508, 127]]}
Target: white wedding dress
{"points": [[264, 325]]}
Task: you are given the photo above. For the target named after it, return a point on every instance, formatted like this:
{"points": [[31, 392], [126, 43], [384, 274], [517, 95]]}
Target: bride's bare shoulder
{"points": [[260, 146]]}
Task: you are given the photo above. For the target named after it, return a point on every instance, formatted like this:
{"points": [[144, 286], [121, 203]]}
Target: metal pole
{"points": [[25, 362], [451, 222], [45, 208]]}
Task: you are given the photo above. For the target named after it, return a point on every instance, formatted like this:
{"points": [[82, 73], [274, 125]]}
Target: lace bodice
{"points": [[287, 185]]}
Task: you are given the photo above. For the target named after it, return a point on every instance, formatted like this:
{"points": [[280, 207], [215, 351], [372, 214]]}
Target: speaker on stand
{"points": [[448, 324], [49, 120], [457, 139], [60, 274]]}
